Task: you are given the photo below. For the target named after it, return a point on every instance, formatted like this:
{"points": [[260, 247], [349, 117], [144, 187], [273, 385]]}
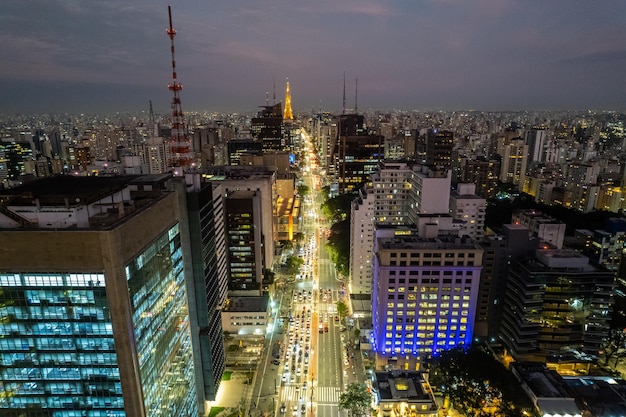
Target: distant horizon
{"points": [[335, 112], [114, 56]]}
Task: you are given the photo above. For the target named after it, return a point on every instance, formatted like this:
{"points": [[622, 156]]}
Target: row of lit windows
{"points": [[414, 273], [410, 328], [62, 402], [52, 280], [56, 328]]}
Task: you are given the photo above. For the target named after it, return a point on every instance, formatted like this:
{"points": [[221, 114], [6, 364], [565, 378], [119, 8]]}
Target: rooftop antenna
{"points": [[151, 119], [179, 146], [267, 98], [343, 109], [274, 92], [356, 95]]}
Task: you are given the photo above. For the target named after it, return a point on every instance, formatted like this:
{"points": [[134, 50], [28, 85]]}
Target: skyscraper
{"points": [[206, 271], [92, 293]]}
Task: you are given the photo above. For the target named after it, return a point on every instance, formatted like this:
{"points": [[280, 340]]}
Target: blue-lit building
{"points": [[93, 307], [424, 296]]}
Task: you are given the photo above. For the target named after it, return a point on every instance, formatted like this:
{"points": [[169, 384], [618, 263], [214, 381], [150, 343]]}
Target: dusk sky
{"points": [[81, 56]]}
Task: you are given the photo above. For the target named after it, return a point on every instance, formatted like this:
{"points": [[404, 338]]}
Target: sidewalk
{"points": [[233, 394]]}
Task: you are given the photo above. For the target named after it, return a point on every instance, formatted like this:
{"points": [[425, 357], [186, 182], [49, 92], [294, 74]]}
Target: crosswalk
{"points": [[321, 395], [329, 395]]}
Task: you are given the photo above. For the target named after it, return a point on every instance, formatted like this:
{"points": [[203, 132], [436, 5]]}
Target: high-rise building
{"points": [[398, 193], [514, 160], [245, 251], [357, 157], [94, 302], [536, 139], [262, 180], [484, 172], [424, 297], [499, 250], [15, 155], [554, 302], [466, 206], [439, 144], [267, 128], [205, 259]]}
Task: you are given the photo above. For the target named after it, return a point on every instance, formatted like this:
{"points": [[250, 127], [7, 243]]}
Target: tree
{"points": [[303, 190], [339, 246], [355, 400], [342, 309], [613, 348], [475, 382], [293, 264]]}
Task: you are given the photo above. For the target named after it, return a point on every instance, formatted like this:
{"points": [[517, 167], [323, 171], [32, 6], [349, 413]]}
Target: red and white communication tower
{"points": [[180, 156]]}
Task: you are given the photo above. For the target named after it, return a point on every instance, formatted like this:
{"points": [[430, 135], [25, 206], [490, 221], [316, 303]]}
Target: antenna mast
{"points": [[356, 95], [343, 109], [151, 120], [180, 154]]}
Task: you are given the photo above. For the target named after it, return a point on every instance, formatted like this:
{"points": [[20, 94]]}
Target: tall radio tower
{"points": [[180, 152], [288, 113]]}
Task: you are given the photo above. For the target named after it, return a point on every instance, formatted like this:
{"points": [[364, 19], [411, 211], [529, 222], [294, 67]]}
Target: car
{"points": [[283, 408], [284, 378], [275, 362]]}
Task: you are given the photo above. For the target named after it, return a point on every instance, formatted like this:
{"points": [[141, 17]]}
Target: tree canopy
{"points": [[476, 383], [355, 400]]}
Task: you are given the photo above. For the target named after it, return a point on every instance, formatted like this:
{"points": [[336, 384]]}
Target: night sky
{"points": [[82, 56]]}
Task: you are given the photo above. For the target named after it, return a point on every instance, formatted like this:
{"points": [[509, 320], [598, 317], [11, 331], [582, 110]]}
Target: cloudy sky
{"points": [[84, 56]]}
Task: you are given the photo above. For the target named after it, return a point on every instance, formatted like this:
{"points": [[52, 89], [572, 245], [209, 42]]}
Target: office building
{"points": [[267, 128], [424, 296], [262, 180], [511, 242], [556, 301], [94, 302], [206, 269], [244, 242], [439, 144]]}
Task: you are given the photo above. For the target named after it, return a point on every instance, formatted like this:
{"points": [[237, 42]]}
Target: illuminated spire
{"points": [[288, 113]]}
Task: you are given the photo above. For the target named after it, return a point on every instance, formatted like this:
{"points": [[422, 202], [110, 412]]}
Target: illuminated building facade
{"points": [[357, 158], [267, 128], [424, 298], [93, 301], [13, 158], [245, 252]]}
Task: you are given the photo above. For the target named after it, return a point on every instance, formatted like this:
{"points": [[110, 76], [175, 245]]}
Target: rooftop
{"points": [[248, 303]]}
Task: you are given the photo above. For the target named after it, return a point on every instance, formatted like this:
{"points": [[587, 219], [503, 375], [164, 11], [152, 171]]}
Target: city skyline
{"points": [[488, 55]]}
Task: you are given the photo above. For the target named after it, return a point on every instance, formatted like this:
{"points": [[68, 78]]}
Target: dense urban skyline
{"points": [[65, 56]]}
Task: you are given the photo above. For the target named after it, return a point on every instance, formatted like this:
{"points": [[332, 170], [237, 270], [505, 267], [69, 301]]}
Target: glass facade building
{"points": [[58, 355], [161, 327], [94, 315], [56, 340]]}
